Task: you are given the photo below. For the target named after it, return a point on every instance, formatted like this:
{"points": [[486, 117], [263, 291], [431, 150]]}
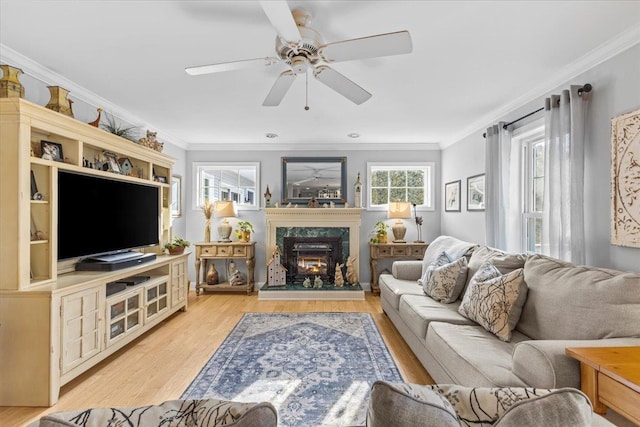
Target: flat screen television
{"points": [[100, 215]]}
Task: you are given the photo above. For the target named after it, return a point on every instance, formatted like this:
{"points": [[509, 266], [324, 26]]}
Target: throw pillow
{"points": [[495, 301], [442, 259], [403, 404], [445, 282], [514, 406]]}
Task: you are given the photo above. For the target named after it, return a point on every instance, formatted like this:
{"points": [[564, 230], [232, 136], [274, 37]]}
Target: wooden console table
{"points": [[228, 251], [378, 251], [610, 377]]}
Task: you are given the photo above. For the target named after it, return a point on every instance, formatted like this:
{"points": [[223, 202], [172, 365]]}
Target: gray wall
{"points": [[270, 171], [616, 90]]}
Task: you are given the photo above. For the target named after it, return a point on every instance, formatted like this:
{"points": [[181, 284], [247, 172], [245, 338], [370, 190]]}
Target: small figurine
{"points": [[317, 282], [306, 283], [313, 202], [352, 275], [332, 204], [358, 192], [324, 205], [150, 141], [276, 204], [289, 204], [338, 282], [96, 122], [346, 205], [267, 198], [236, 278]]}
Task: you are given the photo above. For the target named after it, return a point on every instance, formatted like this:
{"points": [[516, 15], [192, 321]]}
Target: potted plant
{"points": [[243, 231], [177, 246], [380, 231]]}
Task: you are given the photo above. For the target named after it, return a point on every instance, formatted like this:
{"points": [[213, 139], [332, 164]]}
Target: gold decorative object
{"points": [[10, 86], [207, 210], [59, 101], [96, 122], [212, 275]]}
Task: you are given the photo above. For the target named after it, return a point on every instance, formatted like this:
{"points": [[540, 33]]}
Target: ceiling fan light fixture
{"points": [[271, 135], [353, 135]]}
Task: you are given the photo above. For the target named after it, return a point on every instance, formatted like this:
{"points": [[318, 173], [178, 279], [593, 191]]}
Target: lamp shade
{"points": [[224, 209], [399, 210]]}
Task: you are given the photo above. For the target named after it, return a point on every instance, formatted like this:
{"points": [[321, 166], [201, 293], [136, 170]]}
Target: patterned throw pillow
{"points": [[445, 279], [442, 259], [509, 406], [495, 301]]}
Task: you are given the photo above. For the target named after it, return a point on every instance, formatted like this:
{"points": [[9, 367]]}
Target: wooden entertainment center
{"points": [[55, 322]]}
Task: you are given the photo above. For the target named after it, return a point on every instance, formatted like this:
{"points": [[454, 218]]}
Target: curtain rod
{"points": [[586, 88]]}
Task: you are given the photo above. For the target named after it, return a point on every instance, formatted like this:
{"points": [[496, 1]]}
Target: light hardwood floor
{"points": [[160, 365]]}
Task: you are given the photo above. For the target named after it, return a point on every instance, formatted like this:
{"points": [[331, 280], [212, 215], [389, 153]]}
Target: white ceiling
{"points": [[471, 61]]}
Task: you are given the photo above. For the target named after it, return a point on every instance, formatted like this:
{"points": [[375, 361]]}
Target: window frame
{"points": [[526, 138], [429, 188], [197, 189]]}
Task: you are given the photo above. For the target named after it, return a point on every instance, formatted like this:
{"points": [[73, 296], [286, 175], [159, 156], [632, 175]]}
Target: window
{"points": [[226, 181], [400, 182], [532, 145]]}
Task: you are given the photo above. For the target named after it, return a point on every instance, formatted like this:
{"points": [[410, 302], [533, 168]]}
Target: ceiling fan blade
{"points": [[341, 84], [281, 19], [397, 43], [228, 66], [279, 89]]}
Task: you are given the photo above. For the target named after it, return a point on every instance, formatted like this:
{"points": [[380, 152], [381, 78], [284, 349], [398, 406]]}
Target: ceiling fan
{"points": [[303, 49]]}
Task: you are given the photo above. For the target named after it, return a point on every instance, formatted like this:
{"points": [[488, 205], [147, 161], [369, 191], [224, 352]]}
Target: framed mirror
{"points": [[324, 178]]}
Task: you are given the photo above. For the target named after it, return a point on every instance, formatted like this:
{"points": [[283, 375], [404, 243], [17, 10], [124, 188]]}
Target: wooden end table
{"points": [[228, 251], [610, 377], [378, 251]]}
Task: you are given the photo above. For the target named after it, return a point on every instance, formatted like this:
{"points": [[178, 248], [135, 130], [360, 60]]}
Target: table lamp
{"points": [[224, 209], [399, 210]]}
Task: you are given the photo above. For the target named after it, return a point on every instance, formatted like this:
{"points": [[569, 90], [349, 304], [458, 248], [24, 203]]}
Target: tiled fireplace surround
{"points": [[315, 222]]}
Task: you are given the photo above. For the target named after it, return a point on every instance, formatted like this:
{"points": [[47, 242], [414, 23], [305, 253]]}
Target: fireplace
{"points": [[308, 257]]}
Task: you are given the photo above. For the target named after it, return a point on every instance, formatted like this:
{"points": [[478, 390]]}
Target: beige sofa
{"points": [[565, 306]]}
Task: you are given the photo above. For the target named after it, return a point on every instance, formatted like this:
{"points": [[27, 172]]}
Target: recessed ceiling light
{"points": [[271, 135], [353, 135]]}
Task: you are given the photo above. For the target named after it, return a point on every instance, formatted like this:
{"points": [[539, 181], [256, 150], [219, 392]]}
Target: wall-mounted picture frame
{"points": [[112, 161], [51, 151], [176, 196], [452, 196], [475, 193]]}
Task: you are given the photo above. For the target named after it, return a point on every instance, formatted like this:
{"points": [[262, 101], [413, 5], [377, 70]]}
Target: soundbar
{"points": [[95, 264]]}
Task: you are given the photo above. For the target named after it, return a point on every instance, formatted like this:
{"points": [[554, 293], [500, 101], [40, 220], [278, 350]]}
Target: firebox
{"points": [[311, 256]]}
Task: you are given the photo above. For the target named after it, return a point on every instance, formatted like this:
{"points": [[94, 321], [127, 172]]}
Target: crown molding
{"points": [[623, 41], [282, 146], [51, 78]]}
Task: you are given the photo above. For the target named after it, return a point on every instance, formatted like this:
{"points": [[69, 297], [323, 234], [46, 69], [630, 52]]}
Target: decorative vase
{"points": [[207, 231], [212, 275], [382, 238], [59, 101], [10, 86], [245, 236]]}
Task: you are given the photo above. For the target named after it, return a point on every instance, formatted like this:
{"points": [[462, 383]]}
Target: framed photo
{"points": [[51, 151], [176, 196], [452, 196], [112, 161], [475, 193]]}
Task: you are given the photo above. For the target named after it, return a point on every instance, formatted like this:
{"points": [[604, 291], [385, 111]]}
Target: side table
{"points": [[378, 251], [610, 377], [227, 251]]}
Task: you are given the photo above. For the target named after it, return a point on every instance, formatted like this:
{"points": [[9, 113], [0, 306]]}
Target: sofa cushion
{"points": [[452, 246], [196, 413], [566, 301], [417, 311], [558, 408], [391, 289], [495, 300], [445, 278], [403, 404], [504, 262], [473, 356]]}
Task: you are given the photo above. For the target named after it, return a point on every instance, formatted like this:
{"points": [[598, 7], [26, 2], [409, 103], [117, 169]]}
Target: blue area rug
{"points": [[315, 368]]}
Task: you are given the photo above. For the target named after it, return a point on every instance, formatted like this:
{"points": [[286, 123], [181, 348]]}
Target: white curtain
{"points": [[502, 190], [563, 205]]}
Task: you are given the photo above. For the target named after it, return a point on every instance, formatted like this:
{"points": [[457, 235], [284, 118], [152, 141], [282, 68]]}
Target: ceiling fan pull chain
{"points": [[306, 106]]}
